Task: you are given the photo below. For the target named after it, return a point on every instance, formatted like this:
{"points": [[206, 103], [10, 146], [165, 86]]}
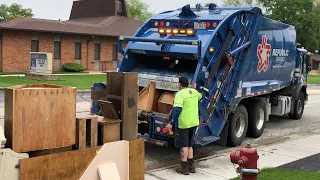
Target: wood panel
{"points": [[130, 107], [136, 159], [110, 130], [63, 166], [147, 97], [123, 92], [39, 117]]}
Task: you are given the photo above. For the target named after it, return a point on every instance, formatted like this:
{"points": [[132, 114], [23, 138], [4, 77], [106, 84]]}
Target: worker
{"points": [[185, 119]]}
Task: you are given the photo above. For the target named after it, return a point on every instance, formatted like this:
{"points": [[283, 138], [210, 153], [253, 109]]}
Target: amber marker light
{"points": [[161, 31], [214, 24], [175, 31]]}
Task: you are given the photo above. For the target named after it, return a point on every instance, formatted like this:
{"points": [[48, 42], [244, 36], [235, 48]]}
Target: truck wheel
{"points": [[257, 119], [298, 107], [238, 126]]}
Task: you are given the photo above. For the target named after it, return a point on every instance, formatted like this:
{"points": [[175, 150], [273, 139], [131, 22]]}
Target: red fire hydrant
{"points": [[247, 159]]}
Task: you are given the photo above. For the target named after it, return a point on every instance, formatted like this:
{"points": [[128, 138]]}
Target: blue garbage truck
{"points": [[246, 66]]}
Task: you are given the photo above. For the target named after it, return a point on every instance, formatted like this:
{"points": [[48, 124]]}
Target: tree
{"points": [[241, 3], [138, 10], [303, 14], [14, 11]]}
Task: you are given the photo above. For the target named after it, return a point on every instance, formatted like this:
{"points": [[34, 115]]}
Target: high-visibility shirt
{"points": [[188, 100]]}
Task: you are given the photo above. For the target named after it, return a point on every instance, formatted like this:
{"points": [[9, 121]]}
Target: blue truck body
{"points": [[246, 66]]}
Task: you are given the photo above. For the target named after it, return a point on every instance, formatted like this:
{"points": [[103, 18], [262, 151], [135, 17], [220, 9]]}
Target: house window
{"points": [[34, 42], [97, 51], [57, 50], [119, 6], [34, 45], [78, 51], [57, 47]]}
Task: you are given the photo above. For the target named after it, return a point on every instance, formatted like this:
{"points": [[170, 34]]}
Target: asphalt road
{"points": [[276, 131]]}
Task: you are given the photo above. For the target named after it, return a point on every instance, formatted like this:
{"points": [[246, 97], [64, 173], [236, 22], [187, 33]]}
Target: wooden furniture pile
{"points": [[41, 120]]}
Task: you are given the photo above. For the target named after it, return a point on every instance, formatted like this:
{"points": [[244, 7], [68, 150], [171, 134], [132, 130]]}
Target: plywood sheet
{"points": [[117, 152], [40, 118], [63, 166], [109, 171]]}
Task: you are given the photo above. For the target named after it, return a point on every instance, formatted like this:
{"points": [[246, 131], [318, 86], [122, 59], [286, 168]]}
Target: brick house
{"points": [[89, 37]]}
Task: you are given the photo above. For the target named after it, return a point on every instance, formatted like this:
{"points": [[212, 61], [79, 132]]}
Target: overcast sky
{"points": [[55, 9]]}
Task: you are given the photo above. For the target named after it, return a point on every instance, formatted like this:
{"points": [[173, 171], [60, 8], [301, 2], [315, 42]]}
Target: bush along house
{"points": [[88, 38]]}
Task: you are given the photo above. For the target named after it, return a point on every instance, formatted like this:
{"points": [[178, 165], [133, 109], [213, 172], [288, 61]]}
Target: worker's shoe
{"points": [[191, 167], [184, 169]]}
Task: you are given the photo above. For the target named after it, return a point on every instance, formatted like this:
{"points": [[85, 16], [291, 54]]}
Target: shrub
{"points": [[72, 67]]}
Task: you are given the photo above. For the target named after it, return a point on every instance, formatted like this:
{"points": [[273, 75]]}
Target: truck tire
{"points": [[298, 108], [238, 126], [257, 119]]}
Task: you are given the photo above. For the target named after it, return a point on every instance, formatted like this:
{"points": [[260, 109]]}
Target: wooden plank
{"points": [[38, 119], [130, 107], [136, 159], [63, 166], [108, 109], [8, 115], [81, 134], [94, 132], [117, 152]]}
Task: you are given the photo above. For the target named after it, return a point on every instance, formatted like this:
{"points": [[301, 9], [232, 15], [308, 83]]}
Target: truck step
{"points": [[206, 140]]}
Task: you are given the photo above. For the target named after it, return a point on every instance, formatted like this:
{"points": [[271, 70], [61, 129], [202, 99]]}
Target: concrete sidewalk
{"points": [[220, 167]]}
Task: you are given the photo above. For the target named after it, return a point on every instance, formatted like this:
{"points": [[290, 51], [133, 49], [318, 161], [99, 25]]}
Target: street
{"points": [[276, 130]]}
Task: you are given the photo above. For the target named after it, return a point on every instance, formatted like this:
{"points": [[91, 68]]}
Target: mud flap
{"points": [[224, 135]]}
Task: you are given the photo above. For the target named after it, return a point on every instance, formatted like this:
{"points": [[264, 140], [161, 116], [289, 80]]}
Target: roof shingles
{"points": [[102, 26]]}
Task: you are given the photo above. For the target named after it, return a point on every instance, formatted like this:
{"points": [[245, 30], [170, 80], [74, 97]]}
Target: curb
{"points": [[227, 151], [84, 91]]}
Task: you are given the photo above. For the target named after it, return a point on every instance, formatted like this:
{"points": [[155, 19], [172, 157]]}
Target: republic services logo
{"points": [[264, 52]]}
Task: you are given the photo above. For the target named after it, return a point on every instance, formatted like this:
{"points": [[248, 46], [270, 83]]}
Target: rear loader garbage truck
{"points": [[246, 67]]}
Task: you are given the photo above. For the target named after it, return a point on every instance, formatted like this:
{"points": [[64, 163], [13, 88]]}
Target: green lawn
{"points": [[10, 73], [79, 81], [285, 174], [314, 79]]}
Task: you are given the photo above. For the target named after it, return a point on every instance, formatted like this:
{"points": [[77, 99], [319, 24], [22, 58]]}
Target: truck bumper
{"points": [[154, 141]]}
